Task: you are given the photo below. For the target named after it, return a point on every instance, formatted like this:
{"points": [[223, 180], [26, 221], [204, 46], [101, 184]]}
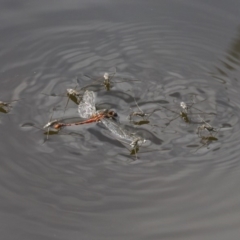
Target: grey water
{"points": [[81, 182]]}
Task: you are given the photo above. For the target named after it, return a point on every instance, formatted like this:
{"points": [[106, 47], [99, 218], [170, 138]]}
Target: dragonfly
{"points": [[108, 118], [87, 110]]}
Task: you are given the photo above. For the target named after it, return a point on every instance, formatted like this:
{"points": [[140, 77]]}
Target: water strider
{"points": [[140, 113], [207, 127], [186, 111], [6, 106], [107, 79]]}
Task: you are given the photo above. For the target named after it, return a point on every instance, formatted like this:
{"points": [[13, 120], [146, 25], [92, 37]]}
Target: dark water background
{"points": [[82, 183]]}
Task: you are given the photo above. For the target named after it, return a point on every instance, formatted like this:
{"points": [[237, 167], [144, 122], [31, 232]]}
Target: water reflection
{"points": [[173, 87], [234, 53], [232, 58]]}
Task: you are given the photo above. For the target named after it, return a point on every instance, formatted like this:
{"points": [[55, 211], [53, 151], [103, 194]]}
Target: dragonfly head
{"points": [[112, 114]]}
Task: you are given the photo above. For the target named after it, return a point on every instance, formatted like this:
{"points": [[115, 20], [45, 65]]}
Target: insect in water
{"points": [[206, 141], [135, 145], [125, 136], [50, 131], [183, 114], [74, 95], [107, 79], [205, 127], [186, 111], [184, 106], [5, 107], [209, 136], [87, 110], [71, 93], [49, 128], [108, 118], [50, 125], [140, 113]]}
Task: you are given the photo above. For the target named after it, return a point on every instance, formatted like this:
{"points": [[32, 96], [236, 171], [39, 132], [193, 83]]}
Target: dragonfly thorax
{"points": [[110, 114]]}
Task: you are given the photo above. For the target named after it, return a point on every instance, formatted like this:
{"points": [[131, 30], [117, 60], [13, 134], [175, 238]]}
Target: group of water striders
{"points": [[86, 101], [88, 113]]}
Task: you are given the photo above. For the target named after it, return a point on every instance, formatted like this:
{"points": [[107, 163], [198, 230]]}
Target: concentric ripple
{"points": [[82, 179]]}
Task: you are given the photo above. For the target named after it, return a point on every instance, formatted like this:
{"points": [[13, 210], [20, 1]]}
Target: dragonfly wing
{"points": [[89, 97], [86, 110], [117, 130]]}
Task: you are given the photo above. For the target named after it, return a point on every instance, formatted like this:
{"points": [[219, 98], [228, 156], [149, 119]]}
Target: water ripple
{"points": [[84, 171]]}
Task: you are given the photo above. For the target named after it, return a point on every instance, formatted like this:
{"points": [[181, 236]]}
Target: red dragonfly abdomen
{"points": [[94, 118]]}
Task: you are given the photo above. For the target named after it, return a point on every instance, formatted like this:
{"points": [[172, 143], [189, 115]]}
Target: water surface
{"points": [[83, 183]]}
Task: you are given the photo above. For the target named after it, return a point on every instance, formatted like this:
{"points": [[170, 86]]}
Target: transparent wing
{"points": [[87, 108], [117, 130], [89, 97]]}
